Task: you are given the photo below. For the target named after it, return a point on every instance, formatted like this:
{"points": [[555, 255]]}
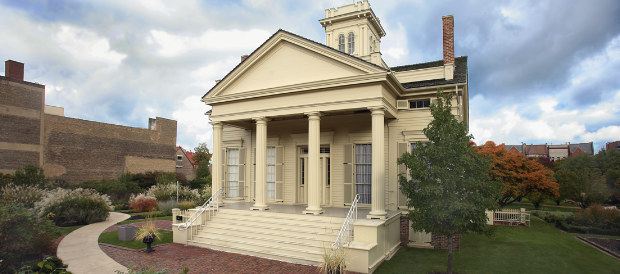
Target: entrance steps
{"points": [[280, 236]]}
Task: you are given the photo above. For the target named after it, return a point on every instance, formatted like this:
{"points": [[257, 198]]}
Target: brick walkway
{"points": [[175, 257], [160, 224]]}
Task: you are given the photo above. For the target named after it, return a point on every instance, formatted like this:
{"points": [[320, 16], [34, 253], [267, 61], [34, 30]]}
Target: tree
{"points": [[522, 177], [581, 182], [202, 154], [450, 189], [30, 175], [203, 170]]}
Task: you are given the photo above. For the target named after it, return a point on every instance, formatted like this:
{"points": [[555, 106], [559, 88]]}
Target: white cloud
{"points": [[511, 125], [171, 45], [205, 77], [395, 46], [86, 45], [192, 125]]}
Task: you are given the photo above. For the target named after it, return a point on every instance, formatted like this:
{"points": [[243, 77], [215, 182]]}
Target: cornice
{"points": [[335, 103], [323, 84]]}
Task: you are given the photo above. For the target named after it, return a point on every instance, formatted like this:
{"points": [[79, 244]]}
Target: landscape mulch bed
{"points": [[176, 257], [159, 224]]}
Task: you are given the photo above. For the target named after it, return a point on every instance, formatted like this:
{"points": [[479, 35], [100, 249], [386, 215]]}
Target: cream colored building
{"points": [[304, 125]]}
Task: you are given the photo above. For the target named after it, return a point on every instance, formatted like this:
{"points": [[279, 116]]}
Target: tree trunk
{"points": [[450, 253]]}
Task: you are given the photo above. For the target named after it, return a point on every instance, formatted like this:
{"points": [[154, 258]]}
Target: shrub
{"points": [[51, 265], [596, 216], [165, 207], [152, 214], [24, 236], [199, 183], [24, 196], [553, 216], [202, 171], [30, 175], [185, 205], [166, 178], [142, 202], [118, 190], [5, 179], [74, 207], [165, 192], [205, 194]]}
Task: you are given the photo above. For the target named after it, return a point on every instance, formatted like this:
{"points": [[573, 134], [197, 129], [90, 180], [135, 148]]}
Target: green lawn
{"points": [[167, 218], [112, 238], [538, 249], [530, 207], [68, 229]]}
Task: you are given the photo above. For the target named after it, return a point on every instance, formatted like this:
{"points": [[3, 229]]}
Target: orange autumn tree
{"points": [[521, 176]]}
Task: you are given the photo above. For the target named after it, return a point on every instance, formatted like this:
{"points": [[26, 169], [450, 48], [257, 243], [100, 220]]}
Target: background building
{"points": [[74, 149], [185, 163], [554, 152]]}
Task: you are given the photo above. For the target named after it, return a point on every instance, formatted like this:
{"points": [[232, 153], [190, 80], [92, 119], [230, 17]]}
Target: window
{"points": [[363, 172], [341, 42], [233, 172], [179, 158], [351, 43], [329, 175], [419, 104], [271, 173]]}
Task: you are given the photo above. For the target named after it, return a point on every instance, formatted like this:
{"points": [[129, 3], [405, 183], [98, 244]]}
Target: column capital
{"points": [[313, 115], [261, 120], [216, 124], [380, 110]]}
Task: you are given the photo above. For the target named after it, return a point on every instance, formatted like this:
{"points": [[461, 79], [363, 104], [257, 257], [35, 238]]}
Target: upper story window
{"points": [[179, 158], [341, 42], [351, 43], [419, 104]]}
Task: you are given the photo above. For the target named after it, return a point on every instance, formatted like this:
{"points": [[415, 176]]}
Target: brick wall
{"points": [[404, 230], [80, 150], [184, 166], [441, 242], [21, 108]]}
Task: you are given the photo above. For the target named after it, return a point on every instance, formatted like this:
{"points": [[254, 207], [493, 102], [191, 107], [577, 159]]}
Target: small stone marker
{"points": [[127, 233]]}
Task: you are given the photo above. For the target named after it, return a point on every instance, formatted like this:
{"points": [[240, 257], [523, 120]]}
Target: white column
{"points": [[378, 165], [216, 181], [314, 179], [261, 164]]}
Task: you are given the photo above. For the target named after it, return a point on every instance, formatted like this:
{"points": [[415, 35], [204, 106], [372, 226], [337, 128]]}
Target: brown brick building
{"points": [[76, 150], [185, 164]]}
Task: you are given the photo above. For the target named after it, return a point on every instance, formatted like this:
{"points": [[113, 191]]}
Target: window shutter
{"points": [[241, 172], [279, 173], [254, 182], [402, 199], [224, 179], [402, 104], [348, 173]]}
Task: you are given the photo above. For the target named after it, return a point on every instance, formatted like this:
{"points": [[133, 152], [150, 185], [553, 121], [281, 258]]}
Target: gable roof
{"points": [[460, 73], [587, 148], [300, 37], [514, 147]]}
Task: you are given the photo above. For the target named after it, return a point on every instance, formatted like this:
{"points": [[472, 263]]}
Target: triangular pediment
{"points": [[286, 60]]}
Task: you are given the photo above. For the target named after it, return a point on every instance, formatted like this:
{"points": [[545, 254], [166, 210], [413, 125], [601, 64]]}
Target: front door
{"points": [[324, 176]]}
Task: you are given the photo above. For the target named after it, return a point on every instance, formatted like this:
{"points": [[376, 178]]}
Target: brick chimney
{"points": [[448, 39], [14, 70]]}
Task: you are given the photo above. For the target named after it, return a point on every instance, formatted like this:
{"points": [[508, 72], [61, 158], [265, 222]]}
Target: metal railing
{"points": [[512, 217], [346, 231], [212, 203]]}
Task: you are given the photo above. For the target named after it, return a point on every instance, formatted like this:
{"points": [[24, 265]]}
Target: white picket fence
{"points": [[512, 217]]}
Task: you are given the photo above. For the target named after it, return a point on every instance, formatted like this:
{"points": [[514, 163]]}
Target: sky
{"points": [[539, 71]]}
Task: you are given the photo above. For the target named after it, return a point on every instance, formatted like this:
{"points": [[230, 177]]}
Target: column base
{"points": [[313, 212], [260, 208]]}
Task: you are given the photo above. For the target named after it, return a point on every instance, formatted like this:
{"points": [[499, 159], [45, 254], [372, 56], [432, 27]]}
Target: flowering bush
{"points": [[24, 196], [165, 192], [205, 194], [74, 207], [142, 202], [185, 205]]}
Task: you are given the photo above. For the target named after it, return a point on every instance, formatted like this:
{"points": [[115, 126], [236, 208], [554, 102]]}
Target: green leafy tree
{"points": [[30, 175], [202, 154], [584, 186], [203, 170], [450, 188]]}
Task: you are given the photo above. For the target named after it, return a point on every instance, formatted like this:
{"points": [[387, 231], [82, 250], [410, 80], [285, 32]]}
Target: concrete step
{"points": [[257, 245], [314, 245], [298, 231], [283, 216], [277, 222], [277, 234], [269, 254]]}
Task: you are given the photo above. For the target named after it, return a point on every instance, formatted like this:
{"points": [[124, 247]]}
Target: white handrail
{"points": [[212, 202], [346, 231]]}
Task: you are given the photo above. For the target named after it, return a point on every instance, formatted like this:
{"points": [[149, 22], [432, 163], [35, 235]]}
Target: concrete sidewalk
{"points": [[80, 249]]}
